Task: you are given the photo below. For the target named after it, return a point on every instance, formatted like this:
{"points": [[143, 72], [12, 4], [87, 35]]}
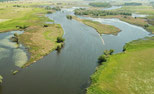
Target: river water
{"points": [[68, 72]]}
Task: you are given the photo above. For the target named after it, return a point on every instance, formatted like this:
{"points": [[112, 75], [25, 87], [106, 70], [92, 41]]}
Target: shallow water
{"points": [[68, 72], [11, 55]]}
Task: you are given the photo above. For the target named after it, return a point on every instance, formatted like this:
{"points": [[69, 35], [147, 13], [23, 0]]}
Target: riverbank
{"points": [[122, 14], [40, 38], [100, 28], [128, 72]]}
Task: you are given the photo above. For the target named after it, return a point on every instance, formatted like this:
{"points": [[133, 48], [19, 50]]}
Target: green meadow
{"points": [[130, 72]]}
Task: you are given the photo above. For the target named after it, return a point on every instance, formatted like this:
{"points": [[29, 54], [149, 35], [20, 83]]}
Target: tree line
{"points": [[100, 4], [82, 11]]}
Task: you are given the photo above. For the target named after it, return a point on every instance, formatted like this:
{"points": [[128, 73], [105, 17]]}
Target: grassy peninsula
{"points": [[100, 28], [40, 38], [126, 73]]}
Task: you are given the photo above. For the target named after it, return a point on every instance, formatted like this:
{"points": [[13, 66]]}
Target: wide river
{"points": [[69, 71]]}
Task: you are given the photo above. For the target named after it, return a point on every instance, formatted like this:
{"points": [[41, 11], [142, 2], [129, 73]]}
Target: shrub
{"points": [[111, 51], [22, 27], [45, 25], [146, 25], [49, 12], [60, 39], [124, 48], [102, 58], [69, 17]]}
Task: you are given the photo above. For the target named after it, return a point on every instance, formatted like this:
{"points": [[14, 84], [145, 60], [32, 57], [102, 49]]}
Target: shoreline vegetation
{"points": [[100, 28], [39, 38], [123, 16], [100, 4], [127, 72]]}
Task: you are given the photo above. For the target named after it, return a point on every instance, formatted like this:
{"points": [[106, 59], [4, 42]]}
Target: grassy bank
{"points": [[39, 37], [100, 28], [41, 41], [127, 73]]}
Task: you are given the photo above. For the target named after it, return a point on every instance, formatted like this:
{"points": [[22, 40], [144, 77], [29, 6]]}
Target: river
{"points": [[69, 71]]}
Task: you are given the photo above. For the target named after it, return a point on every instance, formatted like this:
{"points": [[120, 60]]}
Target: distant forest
{"points": [[99, 4], [7, 0], [133, 4]]}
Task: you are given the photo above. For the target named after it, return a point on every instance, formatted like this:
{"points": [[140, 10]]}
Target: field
{"points": [[100, 28], [130, 72], [39, 40], [139, 9]]}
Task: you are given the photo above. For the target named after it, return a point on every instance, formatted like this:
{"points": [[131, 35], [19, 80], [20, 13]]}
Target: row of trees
{"points": [[54, 8], [100, 4], [99, 12], [133, 4]]}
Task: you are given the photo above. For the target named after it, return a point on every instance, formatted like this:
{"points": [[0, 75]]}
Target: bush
{"points": [[102, 58], [124, 48], [45, 25], [69, 17], [59, 47], [49, 12], [22, 27], [146, 25], [16, 6], [60, 39], [111, 51]]}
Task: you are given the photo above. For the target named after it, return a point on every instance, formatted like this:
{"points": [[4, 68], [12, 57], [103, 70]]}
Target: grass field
{"points": [[130, 72], [38, 39], [138, 9], [101, 28]]}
